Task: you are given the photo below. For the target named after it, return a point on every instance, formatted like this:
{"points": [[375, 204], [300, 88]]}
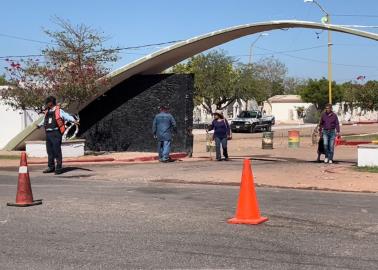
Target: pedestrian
{"points": [[316, 139], [329, 129], [222, 133], [162, 128], [53, 123]]}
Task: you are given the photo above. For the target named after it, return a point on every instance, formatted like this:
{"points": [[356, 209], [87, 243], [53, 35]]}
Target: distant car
{"points": [[252, 121]]}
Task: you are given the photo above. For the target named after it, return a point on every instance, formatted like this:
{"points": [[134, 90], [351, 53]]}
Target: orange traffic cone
{"points": [[247, 211], [24, 195]]}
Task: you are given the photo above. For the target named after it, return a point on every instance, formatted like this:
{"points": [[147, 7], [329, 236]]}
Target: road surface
{"points": [[103, 224]]}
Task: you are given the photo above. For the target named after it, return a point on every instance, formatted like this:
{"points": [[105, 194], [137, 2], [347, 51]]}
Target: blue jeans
{"points": [[164, 148], [329, 143], [218, 143]]}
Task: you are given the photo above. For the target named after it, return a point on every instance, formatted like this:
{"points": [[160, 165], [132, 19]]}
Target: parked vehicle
{"points": [[252, 121]]}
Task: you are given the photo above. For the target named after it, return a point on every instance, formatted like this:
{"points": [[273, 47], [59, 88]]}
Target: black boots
{"points": [[53, 170], [49, 170]]}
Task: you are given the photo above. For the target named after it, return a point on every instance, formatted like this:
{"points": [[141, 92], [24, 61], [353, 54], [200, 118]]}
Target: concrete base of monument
{"points": [[70, 148]]}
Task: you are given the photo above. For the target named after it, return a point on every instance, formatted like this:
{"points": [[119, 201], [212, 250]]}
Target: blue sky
{"points": [[130, 23]]}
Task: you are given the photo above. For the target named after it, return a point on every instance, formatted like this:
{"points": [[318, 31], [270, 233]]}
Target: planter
{"points": [[368, 155], [70, 148]]}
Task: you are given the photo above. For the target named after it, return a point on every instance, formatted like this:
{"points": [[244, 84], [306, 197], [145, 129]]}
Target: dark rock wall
{"points": [[121, 120]]}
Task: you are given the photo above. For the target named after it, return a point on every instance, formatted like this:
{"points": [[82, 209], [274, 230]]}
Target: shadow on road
{"points": [[70, 169]]}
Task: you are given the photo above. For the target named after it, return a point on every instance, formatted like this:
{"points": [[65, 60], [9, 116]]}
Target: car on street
{"points": [[252, 121]]}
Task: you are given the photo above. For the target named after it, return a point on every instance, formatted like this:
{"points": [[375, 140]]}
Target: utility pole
{"points": [[326, 20], [253, 44]]}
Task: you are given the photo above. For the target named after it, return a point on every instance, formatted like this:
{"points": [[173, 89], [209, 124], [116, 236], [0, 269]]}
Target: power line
{"points": [[281, 52], [297, 50], [316, 60], [26, 39], [102, 50], [354, 15]]}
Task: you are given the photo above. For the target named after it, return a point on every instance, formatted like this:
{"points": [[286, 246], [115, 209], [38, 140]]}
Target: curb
{"points": [[76, 161], [353, 143], [360, 123], [174, 156], [152, 158]]}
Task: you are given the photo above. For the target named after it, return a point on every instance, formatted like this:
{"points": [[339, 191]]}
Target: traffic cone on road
{"points": [[24, 195], [247, 211]]}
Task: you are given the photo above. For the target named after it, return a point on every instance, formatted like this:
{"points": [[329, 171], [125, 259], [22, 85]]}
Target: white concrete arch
{"points": [[169, 56]]}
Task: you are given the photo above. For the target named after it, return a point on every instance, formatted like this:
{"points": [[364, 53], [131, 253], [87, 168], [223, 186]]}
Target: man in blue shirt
{"points": [[163, 126], [54, 126]]}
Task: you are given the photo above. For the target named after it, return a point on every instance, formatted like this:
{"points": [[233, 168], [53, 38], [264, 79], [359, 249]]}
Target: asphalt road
{"points": [[102, 224]]}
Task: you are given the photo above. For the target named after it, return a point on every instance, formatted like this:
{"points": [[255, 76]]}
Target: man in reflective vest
{"points": [[54, 126]]}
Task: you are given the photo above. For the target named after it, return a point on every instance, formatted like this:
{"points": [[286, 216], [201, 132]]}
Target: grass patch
{"points": [[368, 169], [9, 157], [367, 137]]}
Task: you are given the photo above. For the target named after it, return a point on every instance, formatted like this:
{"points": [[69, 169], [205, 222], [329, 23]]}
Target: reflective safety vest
{"points": [[59, 121]]}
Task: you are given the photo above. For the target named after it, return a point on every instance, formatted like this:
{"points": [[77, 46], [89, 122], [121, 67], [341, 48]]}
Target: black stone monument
{"points": [[121, 119]]}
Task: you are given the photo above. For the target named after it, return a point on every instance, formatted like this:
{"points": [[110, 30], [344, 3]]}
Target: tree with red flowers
{"points": [[73, 69]]}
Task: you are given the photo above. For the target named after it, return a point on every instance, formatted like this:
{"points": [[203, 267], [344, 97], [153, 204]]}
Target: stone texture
{"points": [[121, 120]]}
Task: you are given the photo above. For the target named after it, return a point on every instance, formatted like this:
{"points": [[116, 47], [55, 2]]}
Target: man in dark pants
{"points": [[163, 126], [329, 129], [54, 127]]}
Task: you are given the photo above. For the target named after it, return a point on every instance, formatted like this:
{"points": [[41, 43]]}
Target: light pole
{"points": [[253, 43], [326, 20]]}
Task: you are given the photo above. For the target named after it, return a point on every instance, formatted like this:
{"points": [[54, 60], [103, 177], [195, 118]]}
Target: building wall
{"points": [[12, 122], [287, 112], [121, 120]]}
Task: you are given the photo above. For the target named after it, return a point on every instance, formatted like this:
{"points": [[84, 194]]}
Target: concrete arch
{"points": [[169, 56]]}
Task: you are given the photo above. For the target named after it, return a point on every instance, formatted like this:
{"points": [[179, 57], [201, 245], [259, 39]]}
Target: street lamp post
{"points": [[253, 43], [326, 20]]}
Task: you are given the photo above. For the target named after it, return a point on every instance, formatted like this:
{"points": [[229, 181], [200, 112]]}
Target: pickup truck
{"points": [[252, 121]]}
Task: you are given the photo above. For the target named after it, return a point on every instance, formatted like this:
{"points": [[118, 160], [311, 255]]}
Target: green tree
{"points": [[367, 96], [316, 92], [214, 79], [272, 73], [73, 69], [349, 90], [3, 81], [249, 85], [364, 96]]}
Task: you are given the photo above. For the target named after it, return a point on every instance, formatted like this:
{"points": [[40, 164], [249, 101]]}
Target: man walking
{"points": [[54, 127], [329, 128], [163, 126]]}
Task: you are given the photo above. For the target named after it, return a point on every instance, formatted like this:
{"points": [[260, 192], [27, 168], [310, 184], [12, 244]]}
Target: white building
{"points": [[12, 121], [287, 109]]}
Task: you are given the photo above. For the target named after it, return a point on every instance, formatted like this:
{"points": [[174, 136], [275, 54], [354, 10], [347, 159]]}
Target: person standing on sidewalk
{"points": [[54, 126], [222, 133], [163, 127], [329, 128]]}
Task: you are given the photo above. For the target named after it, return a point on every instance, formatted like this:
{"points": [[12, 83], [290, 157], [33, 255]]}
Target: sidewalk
{"points": [[280, 167], [11, 159]]}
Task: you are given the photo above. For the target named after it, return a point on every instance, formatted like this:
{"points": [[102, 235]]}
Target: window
{"points": [[246, 114]]}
